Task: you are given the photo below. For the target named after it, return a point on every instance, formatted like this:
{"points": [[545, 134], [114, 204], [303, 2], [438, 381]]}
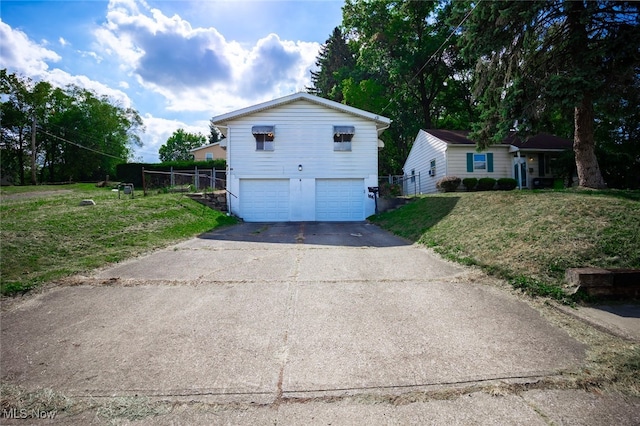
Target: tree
{"points": [[335, 62], [535, 59], [179, 145], [407, 67], [214, 133], [78, 134]]}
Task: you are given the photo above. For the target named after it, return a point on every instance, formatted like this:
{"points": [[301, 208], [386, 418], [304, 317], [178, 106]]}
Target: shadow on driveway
{"points": [[346, 234]]}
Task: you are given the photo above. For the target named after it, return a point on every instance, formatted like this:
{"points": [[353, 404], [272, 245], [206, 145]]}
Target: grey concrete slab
{"points": [[250, 317], [358, 336], [620, 319], [576, 407], [159, 340]]}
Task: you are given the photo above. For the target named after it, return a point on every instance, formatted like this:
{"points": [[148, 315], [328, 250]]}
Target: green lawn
{"points": [[46, 235], [527, 237]]}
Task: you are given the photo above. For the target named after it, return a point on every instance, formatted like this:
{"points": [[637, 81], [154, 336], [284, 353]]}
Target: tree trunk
{"points": [[589, 175]]}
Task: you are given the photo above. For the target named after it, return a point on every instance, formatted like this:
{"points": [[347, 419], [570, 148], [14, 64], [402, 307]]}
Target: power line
{"points": [[82, 146], [437, 50]]}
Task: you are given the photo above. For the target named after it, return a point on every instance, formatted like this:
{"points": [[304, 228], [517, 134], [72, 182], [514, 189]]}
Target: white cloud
{"points": [[158, 130], [89, 54], [19, 53], [197, 69], [63, 42]]}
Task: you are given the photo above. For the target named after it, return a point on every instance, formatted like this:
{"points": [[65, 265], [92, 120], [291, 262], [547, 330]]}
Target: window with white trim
{"points": [[208, 156], [342, 136], [432, 167], [264, 136]]}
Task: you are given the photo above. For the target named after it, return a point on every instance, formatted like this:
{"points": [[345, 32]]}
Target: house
{"points": [[301, 158], [439, 153], [212, 151]]}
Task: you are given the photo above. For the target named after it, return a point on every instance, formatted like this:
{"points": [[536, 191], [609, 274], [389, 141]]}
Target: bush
{"points": [[470, 183], [132, 172], [448, 183], [390, 190], [507, 184], [486, 184]]}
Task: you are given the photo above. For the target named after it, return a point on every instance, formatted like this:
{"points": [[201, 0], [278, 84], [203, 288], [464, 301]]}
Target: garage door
{"points": [[340, 199], [264, 200]]}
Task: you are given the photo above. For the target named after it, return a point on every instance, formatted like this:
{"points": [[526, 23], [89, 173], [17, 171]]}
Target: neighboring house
{"points": [[301, 158], [439, 153], [212, 151]]}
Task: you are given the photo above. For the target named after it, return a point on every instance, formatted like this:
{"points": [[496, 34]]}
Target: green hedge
{"points": [[470, 183], [486, 184], [507, 184], [132, 172]]}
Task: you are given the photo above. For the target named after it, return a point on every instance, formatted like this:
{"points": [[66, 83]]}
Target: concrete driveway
{"points": [[298, 323]]}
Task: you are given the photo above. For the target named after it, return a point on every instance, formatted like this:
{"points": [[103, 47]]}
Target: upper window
{"points": [[208, 156], [479, 161], [264, 137], [342, 136]]}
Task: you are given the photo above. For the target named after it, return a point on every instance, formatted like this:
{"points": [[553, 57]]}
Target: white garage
{"points": [[301, 158], [340, 199], [264, 200]]}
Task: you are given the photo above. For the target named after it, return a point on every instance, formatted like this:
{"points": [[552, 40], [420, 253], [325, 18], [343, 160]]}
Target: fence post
{"points": [[419, 182], [197, 178], [172, 180], [213, 179], [144, 185]]}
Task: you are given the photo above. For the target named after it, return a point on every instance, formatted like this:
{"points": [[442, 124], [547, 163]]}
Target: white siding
{"points": [[425, 148], [303, 136]]}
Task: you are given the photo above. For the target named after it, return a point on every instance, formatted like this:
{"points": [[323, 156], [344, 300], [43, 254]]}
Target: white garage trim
{"points": [[340, 200], [264, 200]]}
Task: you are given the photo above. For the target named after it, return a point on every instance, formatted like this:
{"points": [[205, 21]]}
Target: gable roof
{"points": [[381, 122], [539, 141], [205, 146]]}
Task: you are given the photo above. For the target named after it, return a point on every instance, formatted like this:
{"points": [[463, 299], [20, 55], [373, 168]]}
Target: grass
{"points": [[46, 235], [527, 237]]}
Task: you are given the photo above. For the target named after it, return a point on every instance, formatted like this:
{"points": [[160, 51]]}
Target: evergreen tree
{"points": [[335, 62], [535, 59]]}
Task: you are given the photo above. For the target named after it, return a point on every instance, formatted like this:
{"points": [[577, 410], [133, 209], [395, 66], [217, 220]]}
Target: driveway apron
{"points": [[257, 312]]}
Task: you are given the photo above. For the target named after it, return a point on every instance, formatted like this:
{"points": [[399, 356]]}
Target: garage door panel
{"points": [[264, 200], [339, 199]]}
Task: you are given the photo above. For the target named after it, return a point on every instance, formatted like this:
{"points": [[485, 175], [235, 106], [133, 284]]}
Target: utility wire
{"points": [[437, 51], [82, 146]]}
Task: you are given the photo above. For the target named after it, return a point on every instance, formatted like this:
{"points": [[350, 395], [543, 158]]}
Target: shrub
{"points": [[448, 183], [486, 184], [507, 184], [470, 183], [390, 190]]}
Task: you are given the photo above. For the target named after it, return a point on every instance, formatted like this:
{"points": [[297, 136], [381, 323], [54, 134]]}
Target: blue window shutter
{"points": [[470, 162], [490, 162]]}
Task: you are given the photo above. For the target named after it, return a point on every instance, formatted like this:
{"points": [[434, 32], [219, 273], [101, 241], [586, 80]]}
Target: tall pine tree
{"points": [[335, 62], [534, 58]]}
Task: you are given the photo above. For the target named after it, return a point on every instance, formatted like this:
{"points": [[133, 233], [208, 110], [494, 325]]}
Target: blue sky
{"points": [[178, 63]]}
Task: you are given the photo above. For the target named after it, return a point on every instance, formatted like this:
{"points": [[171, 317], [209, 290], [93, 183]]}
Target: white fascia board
{"points": [[381, 122]]}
